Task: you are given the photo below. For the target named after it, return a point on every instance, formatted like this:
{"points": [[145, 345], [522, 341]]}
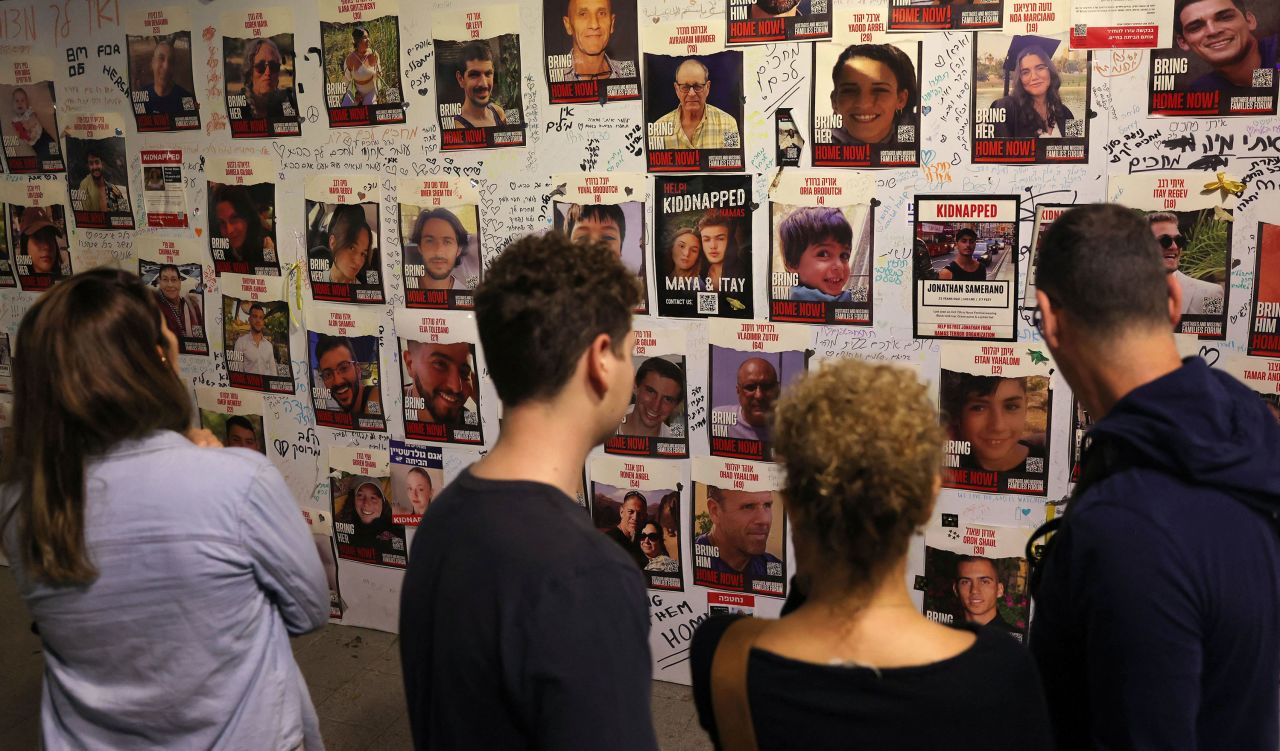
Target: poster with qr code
{"points": [[702, 246], [976, 15], [739, 529], [1223, 61], [851, 132], [976, 574], [761, 21], [1265, 311], [1131, 25], [1030, 100], [995, 402]]}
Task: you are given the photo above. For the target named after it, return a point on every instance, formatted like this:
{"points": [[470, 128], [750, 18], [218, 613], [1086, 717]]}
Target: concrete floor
{"points": [[353, 674]]}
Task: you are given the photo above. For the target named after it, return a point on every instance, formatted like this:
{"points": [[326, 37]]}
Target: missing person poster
{"points": [[321, 525], [360, 46], [37, 224], [739, 531], [1194, 232], [1264, 341], [1030, 100], [820, 232], [98, 171], [702, 244], [161, 77], [259, 69], [242, 216], [636, 503], [939, 15], [870, 114], [977, 574], [967, 287], [255, 333], [417, 474], [8, 279], [235, 417], [757, 21], [346, 370], [591, 51], [344, 258], [657, 422], [174, 267], [442, 238], [29, 113], [1106, 24], [363, 524], [751, 363], [440, 373], [995, 402], [1261, 375], [1222, 62], [606, 208], [164, 194], [479, 92], [1080, 424], [693, 99], [1046, 213]]}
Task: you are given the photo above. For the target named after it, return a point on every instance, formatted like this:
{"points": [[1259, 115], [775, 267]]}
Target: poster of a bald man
{"points": [[746, 383], [591, 50]]}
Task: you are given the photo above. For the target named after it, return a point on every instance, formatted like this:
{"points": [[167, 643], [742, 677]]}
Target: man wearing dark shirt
{"points": [[632, 515], [1157, 601], [979, 589], [521, 626], [966, 268]]}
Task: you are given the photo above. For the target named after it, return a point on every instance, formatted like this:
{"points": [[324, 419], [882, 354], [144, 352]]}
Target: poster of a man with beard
{"points": [[440, 372], [342, 345], [442, 237]]}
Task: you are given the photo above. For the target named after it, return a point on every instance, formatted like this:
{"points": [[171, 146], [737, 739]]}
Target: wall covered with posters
{"points": [[315, 191]]}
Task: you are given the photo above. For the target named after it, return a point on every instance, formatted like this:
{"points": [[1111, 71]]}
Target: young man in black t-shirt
{"points": [[520, 624]]}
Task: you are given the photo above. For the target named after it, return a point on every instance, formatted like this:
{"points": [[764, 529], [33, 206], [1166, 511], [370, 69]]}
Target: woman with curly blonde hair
{"points": [[856, 665]]}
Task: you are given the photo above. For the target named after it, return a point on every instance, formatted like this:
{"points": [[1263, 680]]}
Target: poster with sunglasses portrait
{"points": [[657, 422], [242, 216], [1264, 313], [235, 417], [360, 46], [440, 375], [320, 523], [702, 246], [259, 74], [1030, 100], [636, 503], [363, 524], [344, 258], [873, 101], [820, 232], [98, 171], [607, 208], [693, 110], [760, 21], [479, 95], [1222, 61], [442, 238], [966, 270], [591, 51], [976, 574], [161, 79], [995, 402], [1046, 213], [739, 530], [751, 364], [174, 266], [37, 224], [1080, 424], [417, 474], [976, 15], [29, 127], [255, 333], [345, 367], [1194, 232]]}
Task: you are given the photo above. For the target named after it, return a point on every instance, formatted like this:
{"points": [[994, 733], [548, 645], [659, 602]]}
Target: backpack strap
{"points": [[729, 700]]}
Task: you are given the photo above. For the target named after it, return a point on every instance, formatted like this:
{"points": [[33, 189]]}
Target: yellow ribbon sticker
{"points": [[1226, 185]]}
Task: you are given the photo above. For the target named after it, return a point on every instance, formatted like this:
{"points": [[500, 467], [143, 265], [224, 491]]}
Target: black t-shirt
{"points": [[986, 698], [960, 275], [521, 626]]}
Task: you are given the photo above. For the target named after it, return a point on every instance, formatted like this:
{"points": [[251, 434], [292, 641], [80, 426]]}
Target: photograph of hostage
{"points": [[440, 247], [658, 394], [757, 388], [632, 516], [991, 414], [979, 589], [695, 123], [474, 74], [1033, 106], [589, 25], [1224, 35], [341, 374], [740, 526], [1199, 297], [874, 90], [816, 247], [444, 379]]}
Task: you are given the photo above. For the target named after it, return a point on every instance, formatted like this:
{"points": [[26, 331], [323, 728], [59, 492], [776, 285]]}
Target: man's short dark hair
{"points": [[809, 225], [978, 559], [1101, 265], [714, 218], [600, 212], [258, 306], [897, 61], [459, 232], [967, 232], [663, 367], [541, 304], [473, 50], [93, 148], [327, 342], [239, 421], [1181, 5]]}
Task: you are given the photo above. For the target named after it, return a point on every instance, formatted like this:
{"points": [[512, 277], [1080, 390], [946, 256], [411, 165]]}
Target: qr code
{"points": [[906, 134], [708, 303], [818, 6], [1035, 464], [1073, 129], [1263, 78], [1080, 30], [731, 140], [773, 568], [1213, 306]]}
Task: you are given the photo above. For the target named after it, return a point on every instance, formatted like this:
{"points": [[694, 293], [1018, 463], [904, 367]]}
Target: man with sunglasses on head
{"points": [[694, 123], [1198, 297]]}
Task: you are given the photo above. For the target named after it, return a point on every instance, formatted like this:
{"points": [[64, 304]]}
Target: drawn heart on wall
{"points": [[360, 195], [1210, 355], [926, 157], [282, 447], [926, 110], [199, 231]]}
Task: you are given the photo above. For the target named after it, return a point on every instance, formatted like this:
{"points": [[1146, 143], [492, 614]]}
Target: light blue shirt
{"points": [[206, 568]]}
